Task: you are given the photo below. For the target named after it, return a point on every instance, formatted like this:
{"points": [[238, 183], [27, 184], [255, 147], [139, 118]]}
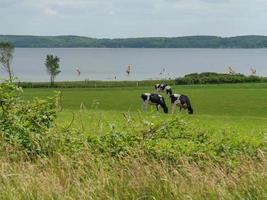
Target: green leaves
{"points": [[216, 78], [24, 122], [52, 67], [174, 139]]}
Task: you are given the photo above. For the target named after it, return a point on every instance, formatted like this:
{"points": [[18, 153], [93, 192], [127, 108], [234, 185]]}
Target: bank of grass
{"points": [[115, 155], [109, 149], [84, 120]]}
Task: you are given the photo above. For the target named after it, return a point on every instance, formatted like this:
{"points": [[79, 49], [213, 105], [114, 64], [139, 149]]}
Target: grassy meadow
{"points": [[237, 105], [103, 146]]}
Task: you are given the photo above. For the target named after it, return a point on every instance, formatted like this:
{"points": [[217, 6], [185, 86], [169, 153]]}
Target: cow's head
{"points": [[169, 92], [163, 105], [165, 109]]}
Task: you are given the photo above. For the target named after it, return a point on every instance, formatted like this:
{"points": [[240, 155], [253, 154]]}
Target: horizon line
{"points": [[67, 35]]}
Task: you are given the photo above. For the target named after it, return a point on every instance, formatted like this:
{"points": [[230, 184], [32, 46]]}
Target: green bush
{"points": [[174, 139], [215, 78], [24, 123]]}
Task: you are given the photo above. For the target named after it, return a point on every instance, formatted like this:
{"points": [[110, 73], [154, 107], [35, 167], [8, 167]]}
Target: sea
{"points": [[78, 64]]}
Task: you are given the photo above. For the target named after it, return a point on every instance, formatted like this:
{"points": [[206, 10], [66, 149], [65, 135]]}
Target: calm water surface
{"points": [[106, 64]]}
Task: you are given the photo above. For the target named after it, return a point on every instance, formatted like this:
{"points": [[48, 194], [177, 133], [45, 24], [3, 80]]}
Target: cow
{"points": [[182, 101], [154, 99], [164, 87]]}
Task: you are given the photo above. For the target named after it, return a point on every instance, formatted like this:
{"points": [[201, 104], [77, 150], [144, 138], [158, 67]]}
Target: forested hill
{"points": [[152, 42]]}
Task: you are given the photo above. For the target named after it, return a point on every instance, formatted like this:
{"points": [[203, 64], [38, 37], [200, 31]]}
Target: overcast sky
{"points": [[133, 18]]}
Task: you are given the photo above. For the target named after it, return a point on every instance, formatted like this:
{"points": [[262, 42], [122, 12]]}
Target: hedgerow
{"points": [[216, 78]]}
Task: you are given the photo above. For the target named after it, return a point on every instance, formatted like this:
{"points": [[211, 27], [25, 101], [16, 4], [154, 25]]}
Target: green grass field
{"points": [[110, 149], [241, 106]]}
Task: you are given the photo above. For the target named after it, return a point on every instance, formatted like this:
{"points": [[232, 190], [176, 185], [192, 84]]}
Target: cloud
{"points": [[133, 18], [50, 12], [216, 1], [9, 3], [198, 1]]}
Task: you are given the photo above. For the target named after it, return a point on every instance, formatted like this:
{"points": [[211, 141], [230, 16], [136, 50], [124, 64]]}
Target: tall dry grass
{"points": [[133, 177]]}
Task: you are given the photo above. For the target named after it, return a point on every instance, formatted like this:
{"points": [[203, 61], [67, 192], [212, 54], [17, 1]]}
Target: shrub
{"points": [[173, 139], [215, 78], [25, 123]]}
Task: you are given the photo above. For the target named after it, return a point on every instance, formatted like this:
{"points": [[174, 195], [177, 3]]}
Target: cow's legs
{"points": [[145, 106], [142, 105], [158, 106], [173, 107]]}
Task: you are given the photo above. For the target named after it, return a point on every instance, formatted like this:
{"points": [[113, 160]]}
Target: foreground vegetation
{"points": [[104, 148]]}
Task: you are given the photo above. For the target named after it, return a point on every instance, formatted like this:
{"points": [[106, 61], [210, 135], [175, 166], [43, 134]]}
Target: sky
{"points": [[133, 18]]}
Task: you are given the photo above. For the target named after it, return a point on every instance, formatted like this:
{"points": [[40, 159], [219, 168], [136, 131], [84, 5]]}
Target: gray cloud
{"points": [[9, 3], [133, 18]]}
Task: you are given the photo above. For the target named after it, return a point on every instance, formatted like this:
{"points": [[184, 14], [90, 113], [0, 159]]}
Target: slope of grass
{"points": [[111, 155], [109, 149]]}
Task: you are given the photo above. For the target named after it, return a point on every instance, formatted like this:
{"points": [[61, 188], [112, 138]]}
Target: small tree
{"points": [[6, 56], [52, 67]]}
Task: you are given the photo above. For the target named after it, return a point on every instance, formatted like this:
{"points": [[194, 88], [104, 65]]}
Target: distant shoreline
{"points": [[206, 78], [137, 48], [212, 42]]}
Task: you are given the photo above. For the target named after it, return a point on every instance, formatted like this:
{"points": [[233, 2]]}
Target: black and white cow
{"points": [[154, 99], [182, 101], [164, 87]]}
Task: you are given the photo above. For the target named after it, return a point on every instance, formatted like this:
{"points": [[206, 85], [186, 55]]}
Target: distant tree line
{"points": [[216, 78], [149, 42]]}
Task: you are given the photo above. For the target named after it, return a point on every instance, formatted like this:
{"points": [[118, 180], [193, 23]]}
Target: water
{"points": [[106, 64]]}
